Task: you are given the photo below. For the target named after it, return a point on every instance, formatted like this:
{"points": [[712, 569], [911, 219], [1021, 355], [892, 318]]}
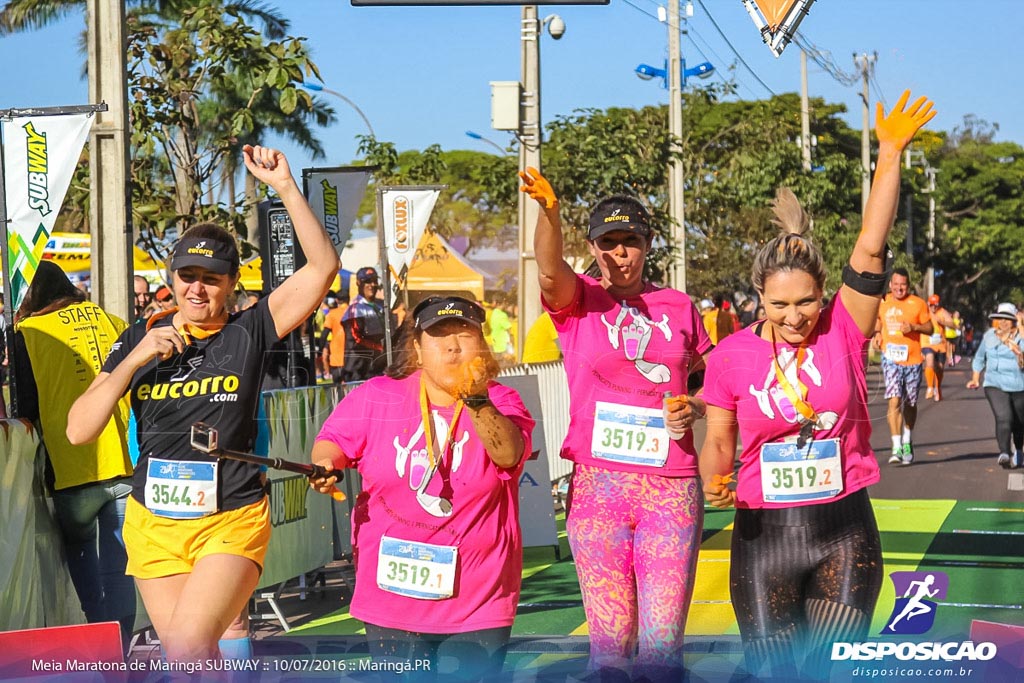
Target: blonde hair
{"points": [[790, 250]]}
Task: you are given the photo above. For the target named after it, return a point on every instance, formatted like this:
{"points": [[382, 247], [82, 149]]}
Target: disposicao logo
{"points": [[914, 612]]}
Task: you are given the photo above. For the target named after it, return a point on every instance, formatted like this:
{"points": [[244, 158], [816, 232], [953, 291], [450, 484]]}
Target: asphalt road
{"points": [[954, 447]]}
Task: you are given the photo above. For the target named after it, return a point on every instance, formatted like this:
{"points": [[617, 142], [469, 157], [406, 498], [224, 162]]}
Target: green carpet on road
{"points": [[979, 545]]}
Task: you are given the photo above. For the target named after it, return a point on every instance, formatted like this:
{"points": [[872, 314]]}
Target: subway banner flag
{"points": [[334, 195], [40, 156]]}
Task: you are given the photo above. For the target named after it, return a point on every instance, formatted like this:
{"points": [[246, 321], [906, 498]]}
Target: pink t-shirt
{"points": [[379, 428], [740, 378], [621, 356]]}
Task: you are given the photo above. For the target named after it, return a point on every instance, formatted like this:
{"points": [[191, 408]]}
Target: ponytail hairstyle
{"points": [[790, 250]]}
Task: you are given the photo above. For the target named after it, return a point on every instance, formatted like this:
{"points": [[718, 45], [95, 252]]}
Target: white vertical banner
{"points": [[335, 194], [405, 212], [40, 156]]}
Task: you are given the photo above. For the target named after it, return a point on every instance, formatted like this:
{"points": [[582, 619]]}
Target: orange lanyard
{"points": [[797, 399], [187, 331], [428, 425]]}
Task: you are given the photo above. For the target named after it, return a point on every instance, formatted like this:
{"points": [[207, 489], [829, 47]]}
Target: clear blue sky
{"points": [[421, 74]]}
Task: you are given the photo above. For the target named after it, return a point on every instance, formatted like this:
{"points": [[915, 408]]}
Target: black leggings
{"points": [[470, 656], [1008, 409], [802, 578]]}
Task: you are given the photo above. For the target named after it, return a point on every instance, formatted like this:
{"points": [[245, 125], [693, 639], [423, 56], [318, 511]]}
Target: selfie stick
{"points": [[204, 439]]}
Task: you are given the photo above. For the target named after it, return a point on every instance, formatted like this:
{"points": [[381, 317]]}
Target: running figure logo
{"points": [[634, 339], [772, 399], [914, 613]]}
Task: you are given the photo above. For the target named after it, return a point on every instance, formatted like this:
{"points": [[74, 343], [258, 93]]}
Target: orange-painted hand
{"points": [[474, 376], [326, 483], [677, 415], [674, 403], [718, 492], [538, 187], [900, 126], [721, 481]]}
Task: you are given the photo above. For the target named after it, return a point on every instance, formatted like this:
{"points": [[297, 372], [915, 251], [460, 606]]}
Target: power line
{"points": [[727, 42], [878, 91], [823, 58], [640, 9], [721, 60], [684, 33]]}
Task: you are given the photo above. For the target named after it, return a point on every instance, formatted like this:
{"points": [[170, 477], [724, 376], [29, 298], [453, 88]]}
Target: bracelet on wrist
{"points": [[476, 401]]}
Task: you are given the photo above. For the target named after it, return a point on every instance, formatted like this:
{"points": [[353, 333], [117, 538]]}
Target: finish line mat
{"points": [[979, 545]]}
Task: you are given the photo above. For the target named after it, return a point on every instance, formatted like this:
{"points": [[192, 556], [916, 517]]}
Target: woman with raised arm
{"points": [[806, 557], [196, 529], [440, 448], [635, 512]]}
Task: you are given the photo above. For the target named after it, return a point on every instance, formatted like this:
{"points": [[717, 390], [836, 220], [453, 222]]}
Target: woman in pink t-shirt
{"points": [[806, 556], [435, 530], [635, 511]]}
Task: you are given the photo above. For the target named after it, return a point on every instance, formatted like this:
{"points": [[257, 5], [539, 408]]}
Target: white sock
{"points": [[906, 435], [896, 442]]}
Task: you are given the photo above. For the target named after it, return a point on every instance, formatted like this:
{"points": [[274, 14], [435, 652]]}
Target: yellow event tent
{"points": [[437, 267], [72, 251]]}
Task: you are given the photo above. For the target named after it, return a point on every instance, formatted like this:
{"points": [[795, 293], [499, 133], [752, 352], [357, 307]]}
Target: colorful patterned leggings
{"points": [[635, 538]]}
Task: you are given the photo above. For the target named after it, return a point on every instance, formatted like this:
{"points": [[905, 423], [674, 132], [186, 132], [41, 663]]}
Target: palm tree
{"points": [[212, 114], [26, 15]]}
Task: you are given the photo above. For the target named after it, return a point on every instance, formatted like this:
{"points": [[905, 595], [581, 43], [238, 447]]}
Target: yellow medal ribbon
{"points": [[797, 399], [428, 424], [187, 331]]}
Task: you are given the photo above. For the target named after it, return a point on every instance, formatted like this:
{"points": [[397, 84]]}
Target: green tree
{"points": [[478, 203], [178, 66], [979, 249], [735, 154], [204, 76]]}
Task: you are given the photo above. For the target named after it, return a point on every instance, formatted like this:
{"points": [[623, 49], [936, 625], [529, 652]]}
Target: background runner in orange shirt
{"points": [[935, 348], [902, 319]]}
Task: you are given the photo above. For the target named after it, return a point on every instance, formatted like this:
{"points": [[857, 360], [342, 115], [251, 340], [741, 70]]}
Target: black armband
{"points": [[869, 284]]}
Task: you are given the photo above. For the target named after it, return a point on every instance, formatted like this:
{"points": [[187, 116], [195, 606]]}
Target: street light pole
{"points": [[316, 87], [675, 169], [529, 155], [492, 143]]}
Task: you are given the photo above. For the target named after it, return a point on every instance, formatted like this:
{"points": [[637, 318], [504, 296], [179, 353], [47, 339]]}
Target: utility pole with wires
{"points": [[675, 170], [866, 64], [805, 115], [929, 278], [909, 201]]}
